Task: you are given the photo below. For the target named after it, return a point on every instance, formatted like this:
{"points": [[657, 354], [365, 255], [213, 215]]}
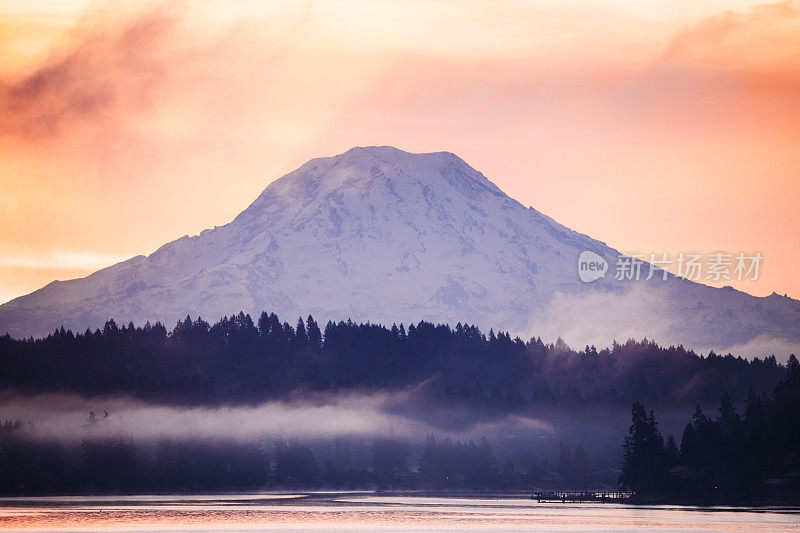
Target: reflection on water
{"points": [[370, 512]]}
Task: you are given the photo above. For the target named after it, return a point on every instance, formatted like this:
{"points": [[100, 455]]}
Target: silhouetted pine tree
{"points": [[644, 458]]}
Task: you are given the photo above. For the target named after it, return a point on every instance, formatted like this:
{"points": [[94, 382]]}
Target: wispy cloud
{"points": [[16, 257], [764, 38], [104, 75], [763, 346]]}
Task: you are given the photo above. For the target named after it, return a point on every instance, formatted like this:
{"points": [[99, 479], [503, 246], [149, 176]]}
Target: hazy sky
{"points": [[663, 126]]}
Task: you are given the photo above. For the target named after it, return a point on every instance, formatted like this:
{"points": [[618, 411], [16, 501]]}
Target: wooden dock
{"points": [[581, 496]]}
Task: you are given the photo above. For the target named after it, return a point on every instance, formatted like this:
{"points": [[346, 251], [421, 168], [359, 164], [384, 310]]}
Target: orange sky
{"points": [[663, 126]]}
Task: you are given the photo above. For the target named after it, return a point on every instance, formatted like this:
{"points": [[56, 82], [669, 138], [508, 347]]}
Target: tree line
{"points": [[241, 361], [730, 458]]}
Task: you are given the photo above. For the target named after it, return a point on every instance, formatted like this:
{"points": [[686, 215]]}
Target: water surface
{"points": [[371, 512]]}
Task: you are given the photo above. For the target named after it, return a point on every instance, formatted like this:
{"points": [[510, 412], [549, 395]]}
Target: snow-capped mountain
{"points": [[377, 234]]}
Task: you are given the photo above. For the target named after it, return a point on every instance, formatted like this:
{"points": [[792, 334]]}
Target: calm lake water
{"points": [[370, 512]]}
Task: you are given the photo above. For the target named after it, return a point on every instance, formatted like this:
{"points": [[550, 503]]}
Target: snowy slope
{"points": [[378, 234]]}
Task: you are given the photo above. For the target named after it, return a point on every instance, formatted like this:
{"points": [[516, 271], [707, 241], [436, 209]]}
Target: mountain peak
{"points": [[421, 165], [366, 167], [433, 169], [390, 154], [384, 235]]}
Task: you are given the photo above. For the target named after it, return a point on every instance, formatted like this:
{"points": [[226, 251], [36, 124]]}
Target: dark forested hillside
{"points": [[239, 361], [492, 411], [724, 458]]}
